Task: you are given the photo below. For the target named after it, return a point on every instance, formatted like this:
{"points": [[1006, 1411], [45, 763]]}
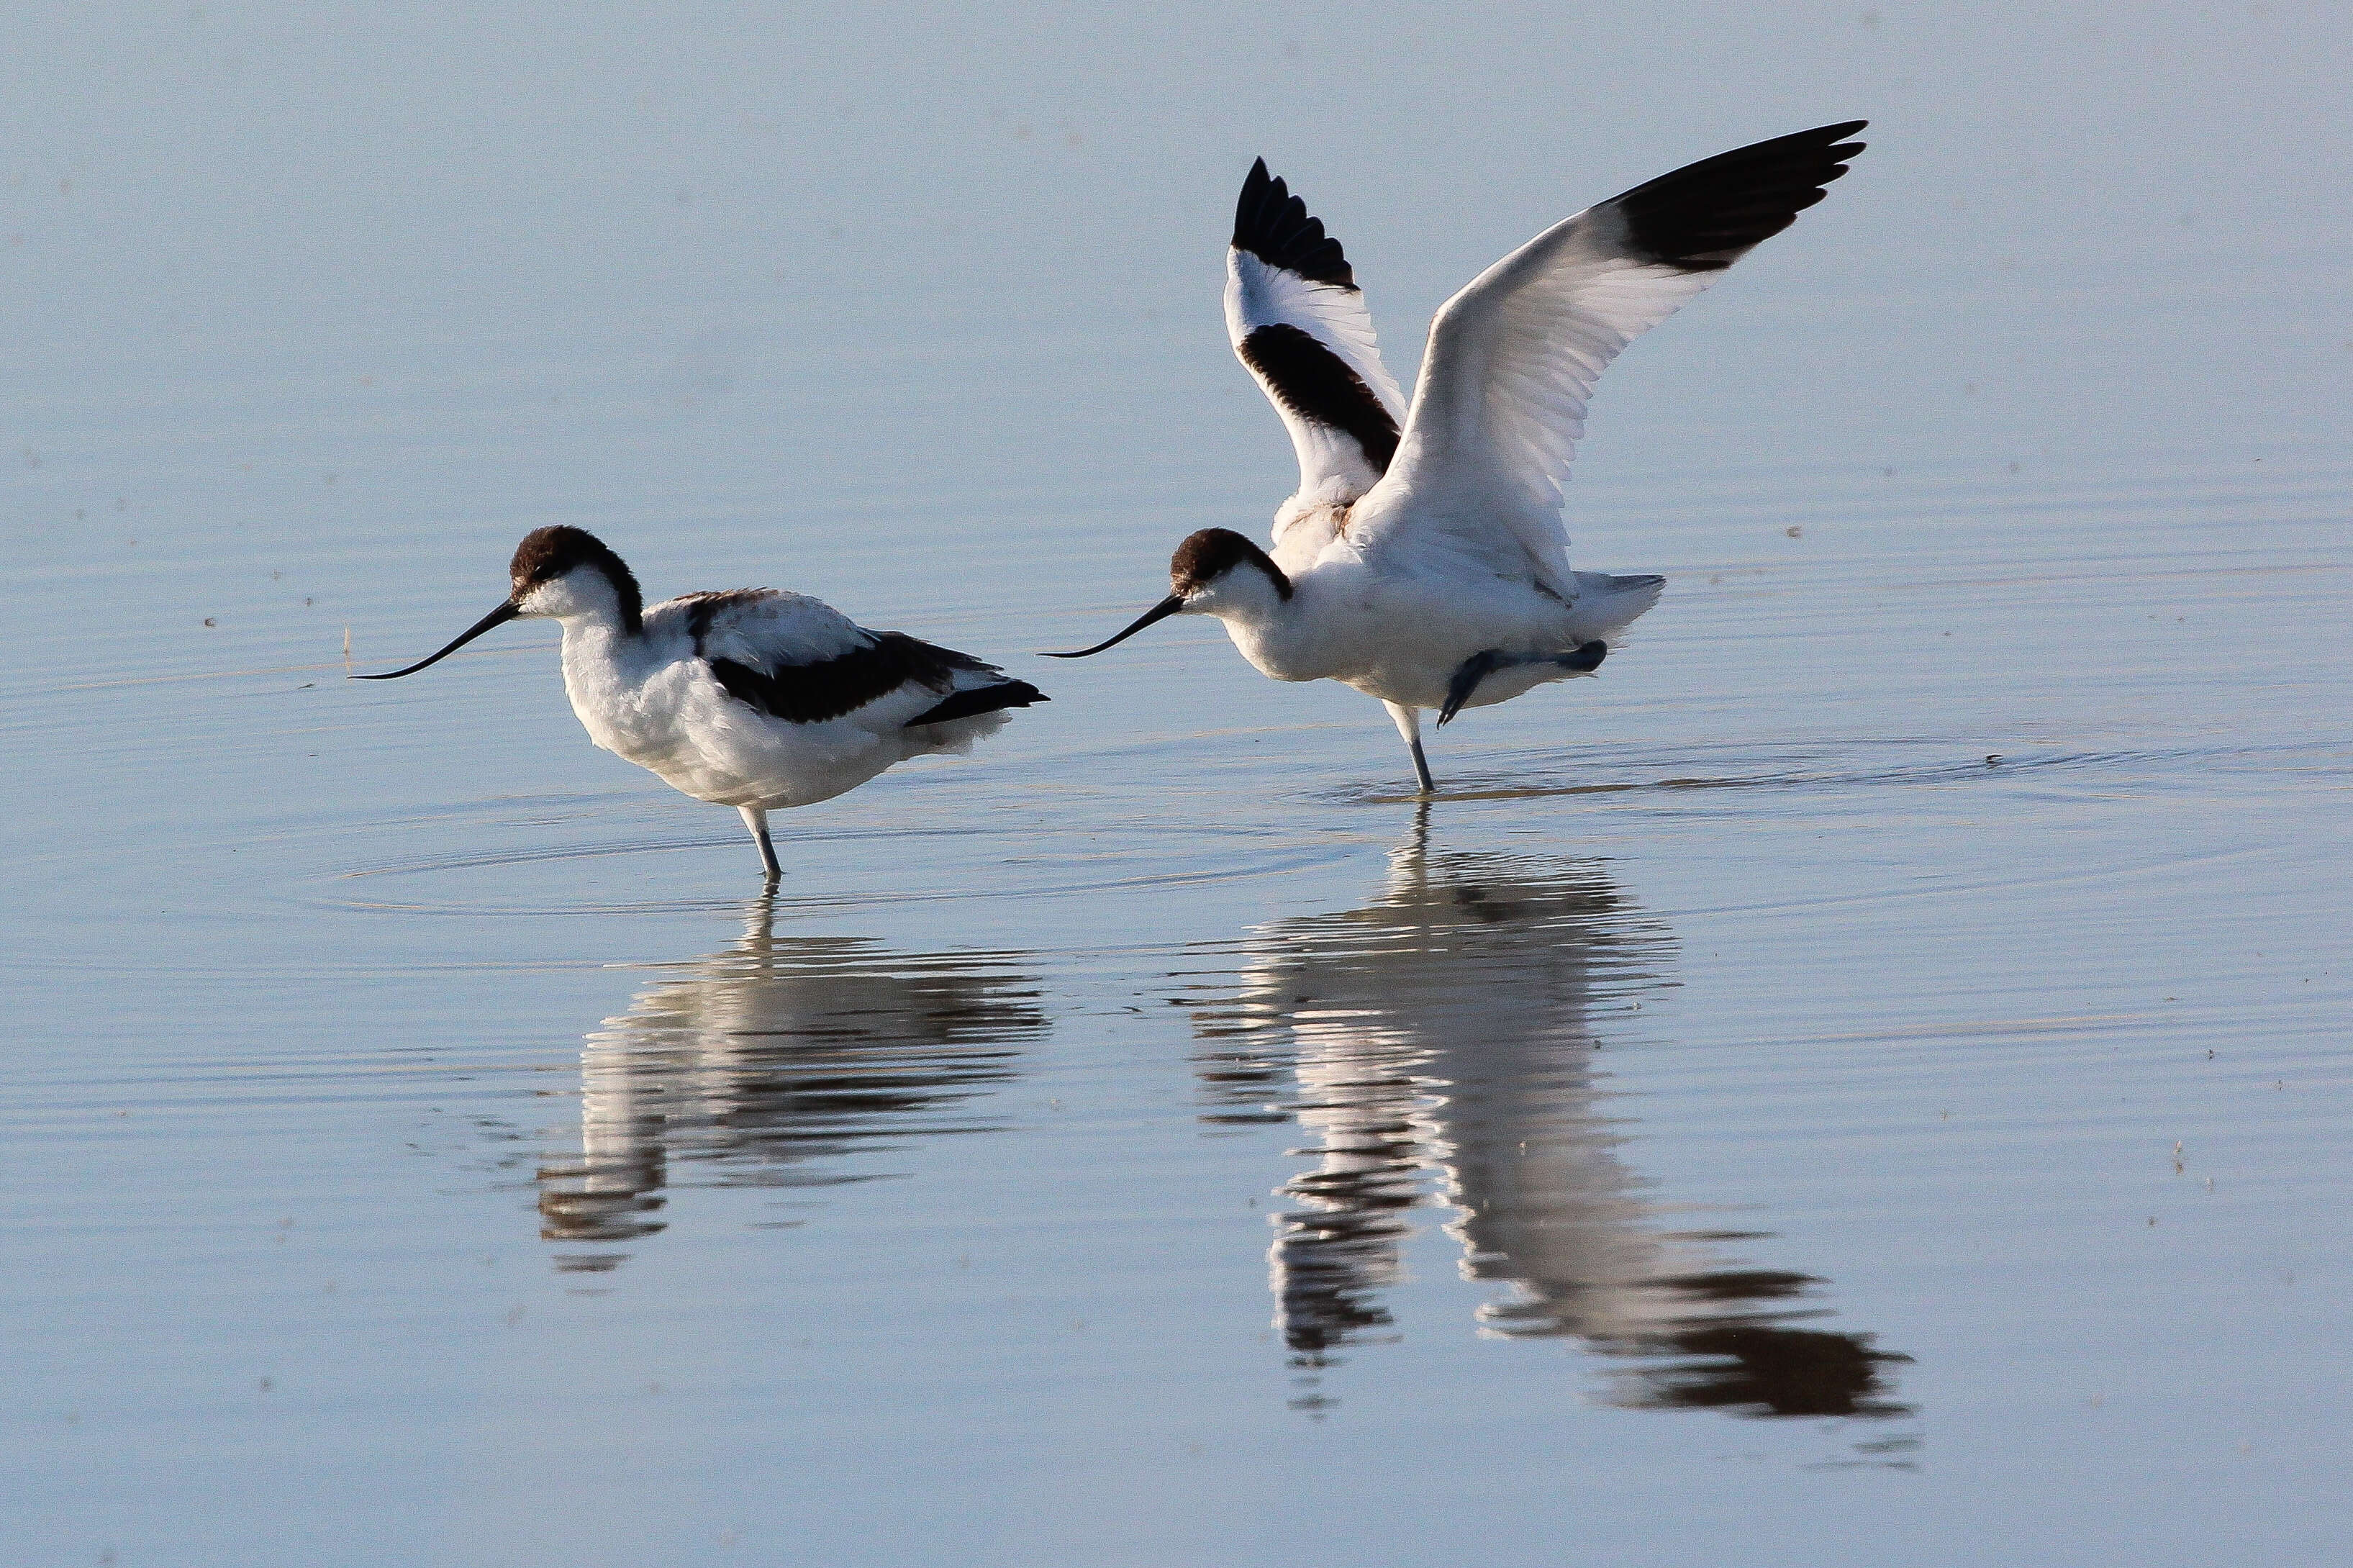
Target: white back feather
{"points": [[768, 629]]}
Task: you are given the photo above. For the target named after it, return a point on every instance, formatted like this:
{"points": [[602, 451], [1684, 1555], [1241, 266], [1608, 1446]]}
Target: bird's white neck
{"points": [[595, 638], [606, 665], [595, 634], [1274, 636]]}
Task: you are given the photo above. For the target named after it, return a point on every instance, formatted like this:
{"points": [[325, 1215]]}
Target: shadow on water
{"points": [[777, 1060], [1439, 1043]]}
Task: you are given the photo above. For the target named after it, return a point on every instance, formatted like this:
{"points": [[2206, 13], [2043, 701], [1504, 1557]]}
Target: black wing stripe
{"points": [[1704, 215], [981, 700], [1273, 225], [1311, 382], [827, 689]]}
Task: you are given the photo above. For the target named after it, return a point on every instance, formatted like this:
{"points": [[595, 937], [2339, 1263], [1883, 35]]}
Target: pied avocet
{"points": [[1422, 560], [754, 699]]}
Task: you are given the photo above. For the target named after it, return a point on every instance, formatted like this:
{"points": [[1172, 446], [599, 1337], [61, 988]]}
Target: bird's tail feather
{"points": [[1608, 604]]}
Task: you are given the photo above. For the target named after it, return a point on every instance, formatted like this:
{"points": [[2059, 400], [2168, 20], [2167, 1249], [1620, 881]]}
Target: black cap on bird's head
{"points": [[545, 556], [1204, 563], [1205, 558], [548, 554]]}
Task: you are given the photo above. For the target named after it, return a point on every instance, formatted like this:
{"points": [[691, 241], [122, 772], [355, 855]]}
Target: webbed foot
{"points": [[1473, 670], [1586, 658], [1583, 660]]}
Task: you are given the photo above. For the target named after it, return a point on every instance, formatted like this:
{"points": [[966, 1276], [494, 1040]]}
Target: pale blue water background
{"points": [[1143, 1142]]}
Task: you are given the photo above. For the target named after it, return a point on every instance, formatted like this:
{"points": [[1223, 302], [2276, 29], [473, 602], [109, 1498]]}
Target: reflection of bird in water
{"points": [[1442, 1037], [775, 1059]]}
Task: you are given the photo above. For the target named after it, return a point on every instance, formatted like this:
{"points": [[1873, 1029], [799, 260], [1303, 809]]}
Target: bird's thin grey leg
{"points": [[1408, 724], [757, 819]]}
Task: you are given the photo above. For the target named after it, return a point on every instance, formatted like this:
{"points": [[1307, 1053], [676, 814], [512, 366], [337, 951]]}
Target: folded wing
{"points": [[1298, 321], [1512, 358], [799, 660]]}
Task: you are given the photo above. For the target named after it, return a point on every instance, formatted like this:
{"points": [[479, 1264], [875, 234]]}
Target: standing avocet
{"points": [[753, 699], [1422, 560]]}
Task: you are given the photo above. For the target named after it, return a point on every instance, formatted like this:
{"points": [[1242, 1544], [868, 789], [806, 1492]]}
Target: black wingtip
{"points": [[982, 700], [1273, 225], [1705, 215]]}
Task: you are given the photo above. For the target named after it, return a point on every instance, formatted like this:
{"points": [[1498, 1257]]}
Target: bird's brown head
{"points": [[1214, 571]]}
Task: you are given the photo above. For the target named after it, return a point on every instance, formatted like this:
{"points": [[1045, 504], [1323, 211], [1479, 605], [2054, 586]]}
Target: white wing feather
{"points": [[1333, 465], [1298, 321], [1500, 406]]}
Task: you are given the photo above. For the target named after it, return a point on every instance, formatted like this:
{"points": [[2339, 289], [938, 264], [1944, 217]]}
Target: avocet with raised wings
{"points": [[754, 699], [1422, 560]]}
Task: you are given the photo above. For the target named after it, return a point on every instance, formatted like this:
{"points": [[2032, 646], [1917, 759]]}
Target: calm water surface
{"points": [[1864, 1080]]}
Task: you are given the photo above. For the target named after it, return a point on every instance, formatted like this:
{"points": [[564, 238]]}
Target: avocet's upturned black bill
{"points": [[496, 618], [1174, 604], [754, 699], [1422, 559]]}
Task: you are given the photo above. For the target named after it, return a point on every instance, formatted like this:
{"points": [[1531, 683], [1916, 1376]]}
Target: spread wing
{"points": [[1514, 357], [1299, 323]]}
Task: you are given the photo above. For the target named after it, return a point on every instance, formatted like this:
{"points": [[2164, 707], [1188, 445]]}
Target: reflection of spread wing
{"points": [[1444, 1036], [1512, 358], [1299, 323]]}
